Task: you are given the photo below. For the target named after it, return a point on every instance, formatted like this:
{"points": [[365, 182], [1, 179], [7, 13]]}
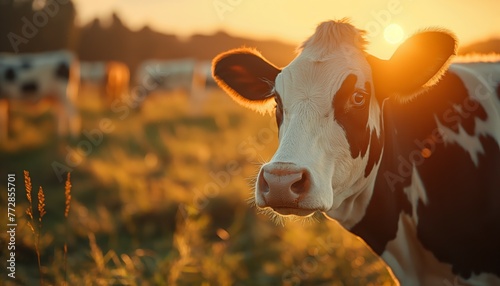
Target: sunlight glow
{"points": [[394, 34]]}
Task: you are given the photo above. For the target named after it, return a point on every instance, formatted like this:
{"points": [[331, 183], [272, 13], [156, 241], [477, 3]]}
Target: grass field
{"points": [[159, 197]]}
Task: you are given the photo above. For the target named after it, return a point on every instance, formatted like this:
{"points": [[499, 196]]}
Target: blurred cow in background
{"points": [[187, 75], [112, 78], [204, 70], [32, 78], [167, 75]]}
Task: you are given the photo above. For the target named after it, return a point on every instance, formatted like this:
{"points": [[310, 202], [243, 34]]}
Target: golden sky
{"points": [[294, 20]]}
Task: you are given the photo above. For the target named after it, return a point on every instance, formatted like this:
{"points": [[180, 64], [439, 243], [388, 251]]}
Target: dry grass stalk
{"points": [[96, 253], [67, 194], [41, 205], [29, 210], [41, 213]]}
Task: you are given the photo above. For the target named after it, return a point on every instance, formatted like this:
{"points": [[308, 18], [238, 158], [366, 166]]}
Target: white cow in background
{"points": [[189, 75], [204, 71], [167, 75], [111, 77], [31, 78], [92, 72]]}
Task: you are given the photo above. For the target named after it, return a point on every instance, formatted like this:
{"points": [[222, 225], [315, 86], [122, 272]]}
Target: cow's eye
{"points": [[358, 99]]}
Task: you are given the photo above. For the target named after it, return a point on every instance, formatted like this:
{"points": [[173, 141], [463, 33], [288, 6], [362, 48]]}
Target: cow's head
{"points": [[328, 104]]}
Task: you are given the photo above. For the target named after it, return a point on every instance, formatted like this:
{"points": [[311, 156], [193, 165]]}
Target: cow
{"points": [[203, 70], [167, 75], [31, 78], [188, 75], [403, 153], [112, 78]]}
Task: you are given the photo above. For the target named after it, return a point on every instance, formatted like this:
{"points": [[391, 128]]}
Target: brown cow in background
{"points": [[111, 78]]}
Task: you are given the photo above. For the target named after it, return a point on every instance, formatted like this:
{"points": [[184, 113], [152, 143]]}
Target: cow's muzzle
{"points": [[283, 186]]}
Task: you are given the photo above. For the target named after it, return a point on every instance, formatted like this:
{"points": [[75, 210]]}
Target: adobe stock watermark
{"points": [[32, 26], [250, 148], [121, 107], [222, 7], [323, 250], [452, 116]]}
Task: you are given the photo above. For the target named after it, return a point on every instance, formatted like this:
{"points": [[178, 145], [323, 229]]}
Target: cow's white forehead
{"points": [[331, 37], [326, 59], [305, 74]]}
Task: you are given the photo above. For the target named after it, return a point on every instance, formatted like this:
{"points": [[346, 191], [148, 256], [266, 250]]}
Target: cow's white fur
{"points": [[410, 262], [416, 193], [309, 135]]}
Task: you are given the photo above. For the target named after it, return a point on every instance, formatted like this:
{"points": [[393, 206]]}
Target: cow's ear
{"points": [[246, 76], [415, 66]]}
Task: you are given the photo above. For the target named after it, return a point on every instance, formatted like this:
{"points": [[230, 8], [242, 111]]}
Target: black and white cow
{"points": [[402, 152], [187, 74], [167, 75], [30, 78]]}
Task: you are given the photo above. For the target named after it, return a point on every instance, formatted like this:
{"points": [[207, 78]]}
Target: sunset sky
{"points": [[294, 20]]}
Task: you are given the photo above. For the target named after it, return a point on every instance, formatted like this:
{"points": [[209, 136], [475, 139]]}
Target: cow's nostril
{"points": [[302, 185], [262, 184]]}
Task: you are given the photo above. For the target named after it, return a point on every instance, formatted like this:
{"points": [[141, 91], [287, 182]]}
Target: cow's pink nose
{"points": [[282, 185]]}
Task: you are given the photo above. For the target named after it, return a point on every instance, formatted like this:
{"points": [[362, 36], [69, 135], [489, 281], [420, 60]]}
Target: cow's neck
{"points": [[373, 211], [387, 201], [353, 208], [379, 224], [387, 225]]}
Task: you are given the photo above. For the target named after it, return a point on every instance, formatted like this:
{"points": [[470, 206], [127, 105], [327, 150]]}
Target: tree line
{"points": [[42, 25], [27, 26]]}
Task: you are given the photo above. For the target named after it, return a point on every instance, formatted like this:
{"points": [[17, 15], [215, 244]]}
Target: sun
{"points": [[394, 34]]}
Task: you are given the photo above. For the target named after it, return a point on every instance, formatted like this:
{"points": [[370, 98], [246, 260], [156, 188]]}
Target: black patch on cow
{"points": [[278, 110], [29, 87], [498, 91], [10, 75], [380, 223], [353, 120], [376, 144], [62, 71], [26, 65], [460, 224], [156, 78]]}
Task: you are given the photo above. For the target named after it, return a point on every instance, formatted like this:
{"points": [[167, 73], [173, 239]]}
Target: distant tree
{"points": [[484, 47], [116, 41], [34, 25]]}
